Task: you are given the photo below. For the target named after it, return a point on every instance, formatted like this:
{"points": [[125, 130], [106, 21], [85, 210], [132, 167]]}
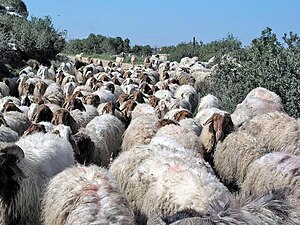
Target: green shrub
{"points": [[266, 63]]}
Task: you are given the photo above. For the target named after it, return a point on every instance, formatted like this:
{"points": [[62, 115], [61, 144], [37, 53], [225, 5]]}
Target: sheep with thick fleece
{"points": [[8, 135], [257, 102], [85, 195], [268, 209], [209, 101], [160, 179], [140, 131], [111, 128], [191, 124], [277, 131], [17, 121], [26, 167], [187, 138], [279, 171], [234, 155], [4, 89], [142, 109]]}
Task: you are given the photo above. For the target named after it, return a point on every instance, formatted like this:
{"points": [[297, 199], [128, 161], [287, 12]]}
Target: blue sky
{"points": [[169, 22]]}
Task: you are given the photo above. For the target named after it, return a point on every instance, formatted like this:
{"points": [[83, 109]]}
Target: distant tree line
{"points": [[99, 44]]}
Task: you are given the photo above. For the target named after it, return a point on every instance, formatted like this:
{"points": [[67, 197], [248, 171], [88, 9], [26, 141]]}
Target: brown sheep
{"points": [[43, 113], [34, 128], [39, 89], [63, 116], [10, 106]]}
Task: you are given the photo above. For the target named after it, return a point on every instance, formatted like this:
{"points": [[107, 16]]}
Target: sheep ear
{"points": [[210, 120], [3, 121]]}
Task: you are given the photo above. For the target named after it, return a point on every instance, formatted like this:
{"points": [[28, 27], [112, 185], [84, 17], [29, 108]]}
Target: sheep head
{"points": [[86, 147], [40, 88], [43, 113], [35, 128], [10, 106], [183, 115], [93, 100], [164, 122], [10, 172], [153, 101], [222, 125], [74, 103], [28, 88], [63, 116]]}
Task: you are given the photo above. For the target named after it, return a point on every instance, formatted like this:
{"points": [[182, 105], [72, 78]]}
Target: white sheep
{"points": [[209, 101], [27, 165], [187, 138], [8, 135], [234, 155], [4, 89], [188, 93], [279, 171], [85, 195], [257, 102], [159, 179], [17, 121], [140, 131], [276, 131]]}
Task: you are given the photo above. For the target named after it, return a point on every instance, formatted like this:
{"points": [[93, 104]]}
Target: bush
{"points": [[265, 63]]}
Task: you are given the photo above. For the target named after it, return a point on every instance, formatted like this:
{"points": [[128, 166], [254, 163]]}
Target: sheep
{"points": [[105, 96], [133, 60], [8, 135], [109, 127], [54, 94], [17, 121], [188, 139], [142, 109], [267, 209], [81, 113], [140, 131], [277, 171], [3, 100], [119, 61], [26, 167], [78, 57], [215, 129], [178, 114], [277, 131], [191, 124], [155, 180], [85, 195], [4, 89], [63, 116], [209, 101], [257, 102], [12, 83], [234, 155], [42, 113], [188, 93]]}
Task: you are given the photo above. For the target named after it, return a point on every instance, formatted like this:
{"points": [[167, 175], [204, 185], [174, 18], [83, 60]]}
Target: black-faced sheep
{"points": [[25, 168]]}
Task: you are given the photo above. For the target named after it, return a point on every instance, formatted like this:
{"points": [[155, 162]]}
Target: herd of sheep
{"points": [[92, 144]]}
